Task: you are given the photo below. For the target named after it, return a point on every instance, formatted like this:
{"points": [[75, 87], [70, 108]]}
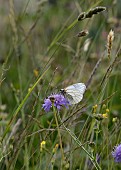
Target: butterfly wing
{"points": [[75, 92]]}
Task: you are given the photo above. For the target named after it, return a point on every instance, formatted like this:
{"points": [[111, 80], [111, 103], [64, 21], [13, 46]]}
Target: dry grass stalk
{"points": [[13, 132], [94, 71], [110, 39], [111, 66], [12, 19]]}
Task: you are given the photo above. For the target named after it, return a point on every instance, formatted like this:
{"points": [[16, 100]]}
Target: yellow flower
{"points": [[42, 145], [104, 106], [95, 108], [105, 115], [36, 72], [107, 110], [55, 148], [114, 119]]}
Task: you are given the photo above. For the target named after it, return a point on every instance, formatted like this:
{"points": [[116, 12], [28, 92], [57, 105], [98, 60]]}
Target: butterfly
{"points": [[74, 93]]}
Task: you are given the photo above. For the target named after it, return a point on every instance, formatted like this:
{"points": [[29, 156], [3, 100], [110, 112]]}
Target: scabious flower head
{"points": [[57, 99], [117, 153]]}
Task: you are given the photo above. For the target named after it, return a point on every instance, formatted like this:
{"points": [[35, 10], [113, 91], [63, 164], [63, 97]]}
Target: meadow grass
{"points": [[46, 46]]}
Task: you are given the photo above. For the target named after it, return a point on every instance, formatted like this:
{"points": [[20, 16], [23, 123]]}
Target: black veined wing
{"points": [[74, 92]]}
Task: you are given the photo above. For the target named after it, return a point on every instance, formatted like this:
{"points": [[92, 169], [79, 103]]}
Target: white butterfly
{"points": [[74, 92]]}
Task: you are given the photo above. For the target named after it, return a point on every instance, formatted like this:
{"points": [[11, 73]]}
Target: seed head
{"points": [[110, 39]]}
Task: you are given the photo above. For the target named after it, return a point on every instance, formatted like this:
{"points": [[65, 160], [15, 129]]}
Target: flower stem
{"points": [[95, 163], [59, 134]]}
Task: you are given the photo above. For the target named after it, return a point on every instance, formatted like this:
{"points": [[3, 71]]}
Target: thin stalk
{"points": [[95, 163], [59, 134], [22, 103], [58, 37], [97, 132]]}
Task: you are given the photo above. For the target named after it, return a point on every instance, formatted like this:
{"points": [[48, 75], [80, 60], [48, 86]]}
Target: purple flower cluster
{"points": [[57, 99], [117, 153]]}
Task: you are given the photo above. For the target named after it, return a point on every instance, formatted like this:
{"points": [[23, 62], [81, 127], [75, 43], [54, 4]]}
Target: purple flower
{"points": [[58, 99], [117, 153]]}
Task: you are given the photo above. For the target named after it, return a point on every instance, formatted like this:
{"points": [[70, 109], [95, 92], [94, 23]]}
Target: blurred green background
{"points": [[27, 46]]}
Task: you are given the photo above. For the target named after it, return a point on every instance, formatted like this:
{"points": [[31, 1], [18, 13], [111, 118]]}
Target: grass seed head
{"points": [[81, 16], [110, 39], [83, 33]]}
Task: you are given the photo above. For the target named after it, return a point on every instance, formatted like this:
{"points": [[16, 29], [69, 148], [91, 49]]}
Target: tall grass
{"points": [[46, 46]]}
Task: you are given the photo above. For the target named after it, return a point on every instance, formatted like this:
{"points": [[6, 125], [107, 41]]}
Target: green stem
{"points": [[58, 37], [59, 134], [95, 163], [22, 103]]}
